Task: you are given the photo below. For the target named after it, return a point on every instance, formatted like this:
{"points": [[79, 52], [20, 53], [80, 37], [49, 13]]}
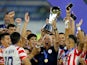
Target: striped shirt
{"points": [[73, 57], [61, 54], [84, 56], [13, 55], [21, 53]]}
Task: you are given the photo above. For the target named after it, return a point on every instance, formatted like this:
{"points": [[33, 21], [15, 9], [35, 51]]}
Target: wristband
{"points": [[78, 28]]}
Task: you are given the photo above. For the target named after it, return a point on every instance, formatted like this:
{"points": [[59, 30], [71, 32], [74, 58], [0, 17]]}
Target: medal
{"points": [[49, 51], [46, 60], [46, 56]]}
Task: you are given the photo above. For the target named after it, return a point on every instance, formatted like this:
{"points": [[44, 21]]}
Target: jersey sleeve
{"points": [[22, 53], [1, 57]]}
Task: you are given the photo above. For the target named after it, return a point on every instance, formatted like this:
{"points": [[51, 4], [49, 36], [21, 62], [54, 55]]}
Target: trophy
{"points": [[54, 13], [47, 28]]}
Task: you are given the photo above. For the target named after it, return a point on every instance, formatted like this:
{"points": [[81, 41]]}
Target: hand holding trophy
{"points": [[54, 13]]}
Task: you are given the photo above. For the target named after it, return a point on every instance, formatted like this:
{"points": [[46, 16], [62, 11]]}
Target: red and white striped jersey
{"points": [[73, 57], [61, 55], [1, 55], [61, 52], [13, 55], [86, 61], [84, 56]]}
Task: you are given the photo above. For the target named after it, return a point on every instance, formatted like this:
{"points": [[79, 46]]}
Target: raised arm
{"points": [[18, 21], [11, 17], [72, 26], [27, 19], [80, 35], [56, 34], [69, 23]]}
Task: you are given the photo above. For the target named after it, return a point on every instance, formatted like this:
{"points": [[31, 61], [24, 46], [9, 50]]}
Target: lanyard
{"points": [[67, 53], [45, 54]]}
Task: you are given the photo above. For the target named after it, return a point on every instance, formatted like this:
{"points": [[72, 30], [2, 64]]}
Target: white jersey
{"points": [[14, 55]]}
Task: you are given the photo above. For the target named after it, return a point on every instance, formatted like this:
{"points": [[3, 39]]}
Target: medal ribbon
{"points": [[45, 54]]}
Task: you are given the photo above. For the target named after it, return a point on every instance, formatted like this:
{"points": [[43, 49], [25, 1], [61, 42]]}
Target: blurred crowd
{"points": [[53, 48]]}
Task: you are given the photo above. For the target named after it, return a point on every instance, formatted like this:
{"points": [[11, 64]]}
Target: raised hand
{"points": [[11, 14], [69, 9], [47, 21], [27, 17], [80, 23], [54, 24], [18, 20]]}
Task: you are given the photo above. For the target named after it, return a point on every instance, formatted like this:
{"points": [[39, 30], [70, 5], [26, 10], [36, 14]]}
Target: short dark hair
{"points": [[11, 25], [26, 48], [61, 33], [31, 35], [51, 34], [15, 37], [73, 37], [28, 30], [3, 35], [5, 14]]}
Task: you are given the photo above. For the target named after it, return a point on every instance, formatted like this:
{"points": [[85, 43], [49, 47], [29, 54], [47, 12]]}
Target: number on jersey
{"points": [[8, 60]]}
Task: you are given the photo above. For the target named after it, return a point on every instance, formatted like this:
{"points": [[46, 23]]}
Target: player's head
{"points": [[32, 39], [53, 38], [61, 38], [11, 28], [28, 32], [47, 41], [15, 37], [72, 41], [5, 39], [42, 32]]}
